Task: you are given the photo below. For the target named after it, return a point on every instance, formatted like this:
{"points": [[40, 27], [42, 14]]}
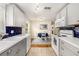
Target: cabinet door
{"points": [[9, 15], [2, 19], [18, 49], [61, 18], [28, 44], [66, 52], [63, 12], [21, 50], [52, 41], [65, 49], [57, 20], [73, 13], [14, 16], [72, 48], [19, 18], [10, 52], [13, 50], [58, 16]]}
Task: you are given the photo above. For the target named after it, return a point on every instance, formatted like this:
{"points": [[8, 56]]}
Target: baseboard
{"points": [[41, 45]]}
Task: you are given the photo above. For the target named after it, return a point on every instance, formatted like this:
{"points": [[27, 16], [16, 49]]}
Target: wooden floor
{"points": [[41, 51]]}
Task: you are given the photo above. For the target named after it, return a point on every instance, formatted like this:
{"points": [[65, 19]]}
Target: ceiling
{"points": [[43, 11]]}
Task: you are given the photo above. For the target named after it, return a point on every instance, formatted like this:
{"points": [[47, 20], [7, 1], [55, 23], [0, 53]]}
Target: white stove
{"points": [[55, 44]]}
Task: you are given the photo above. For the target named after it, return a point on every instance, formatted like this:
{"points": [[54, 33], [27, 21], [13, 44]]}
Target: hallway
{"points": [[41, 51]]}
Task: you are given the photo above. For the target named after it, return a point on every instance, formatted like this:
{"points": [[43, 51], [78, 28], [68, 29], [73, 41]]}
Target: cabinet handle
{"points": [[77, 51], [18, 50], [9, 51]]}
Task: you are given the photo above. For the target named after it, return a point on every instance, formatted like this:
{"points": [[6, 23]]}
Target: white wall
{"points": [[35, 27]]}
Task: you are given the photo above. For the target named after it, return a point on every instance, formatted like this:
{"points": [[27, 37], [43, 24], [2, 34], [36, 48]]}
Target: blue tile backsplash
{"points": [[12, 31]]}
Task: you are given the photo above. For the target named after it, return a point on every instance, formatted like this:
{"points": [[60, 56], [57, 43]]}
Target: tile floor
{"points": [[41, 51]]}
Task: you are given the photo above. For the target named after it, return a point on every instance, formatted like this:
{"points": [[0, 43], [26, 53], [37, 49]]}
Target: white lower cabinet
{"points": [[67, 49], [66, 52], [28, 44], [17, 50], [20, 49]]}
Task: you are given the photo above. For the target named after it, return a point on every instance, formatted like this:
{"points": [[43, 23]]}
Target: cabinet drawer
{"points": [[71, 47], [66, 49], [66, 52]]}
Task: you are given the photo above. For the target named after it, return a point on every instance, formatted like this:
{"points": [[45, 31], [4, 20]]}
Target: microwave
{"points": [[76, 32]]}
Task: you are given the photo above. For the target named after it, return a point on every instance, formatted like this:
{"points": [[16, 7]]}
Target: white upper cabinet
{"points": [[14, 16], [9, 15], [61, 18], [63, 12], [2, 18], [73, 14], [19, 17]]}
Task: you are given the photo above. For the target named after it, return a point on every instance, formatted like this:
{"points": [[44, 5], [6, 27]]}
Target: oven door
{"points": [[55, 45], [55, 41]]}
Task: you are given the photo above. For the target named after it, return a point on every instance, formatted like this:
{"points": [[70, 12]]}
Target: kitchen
{"points": [[43, 29]]}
